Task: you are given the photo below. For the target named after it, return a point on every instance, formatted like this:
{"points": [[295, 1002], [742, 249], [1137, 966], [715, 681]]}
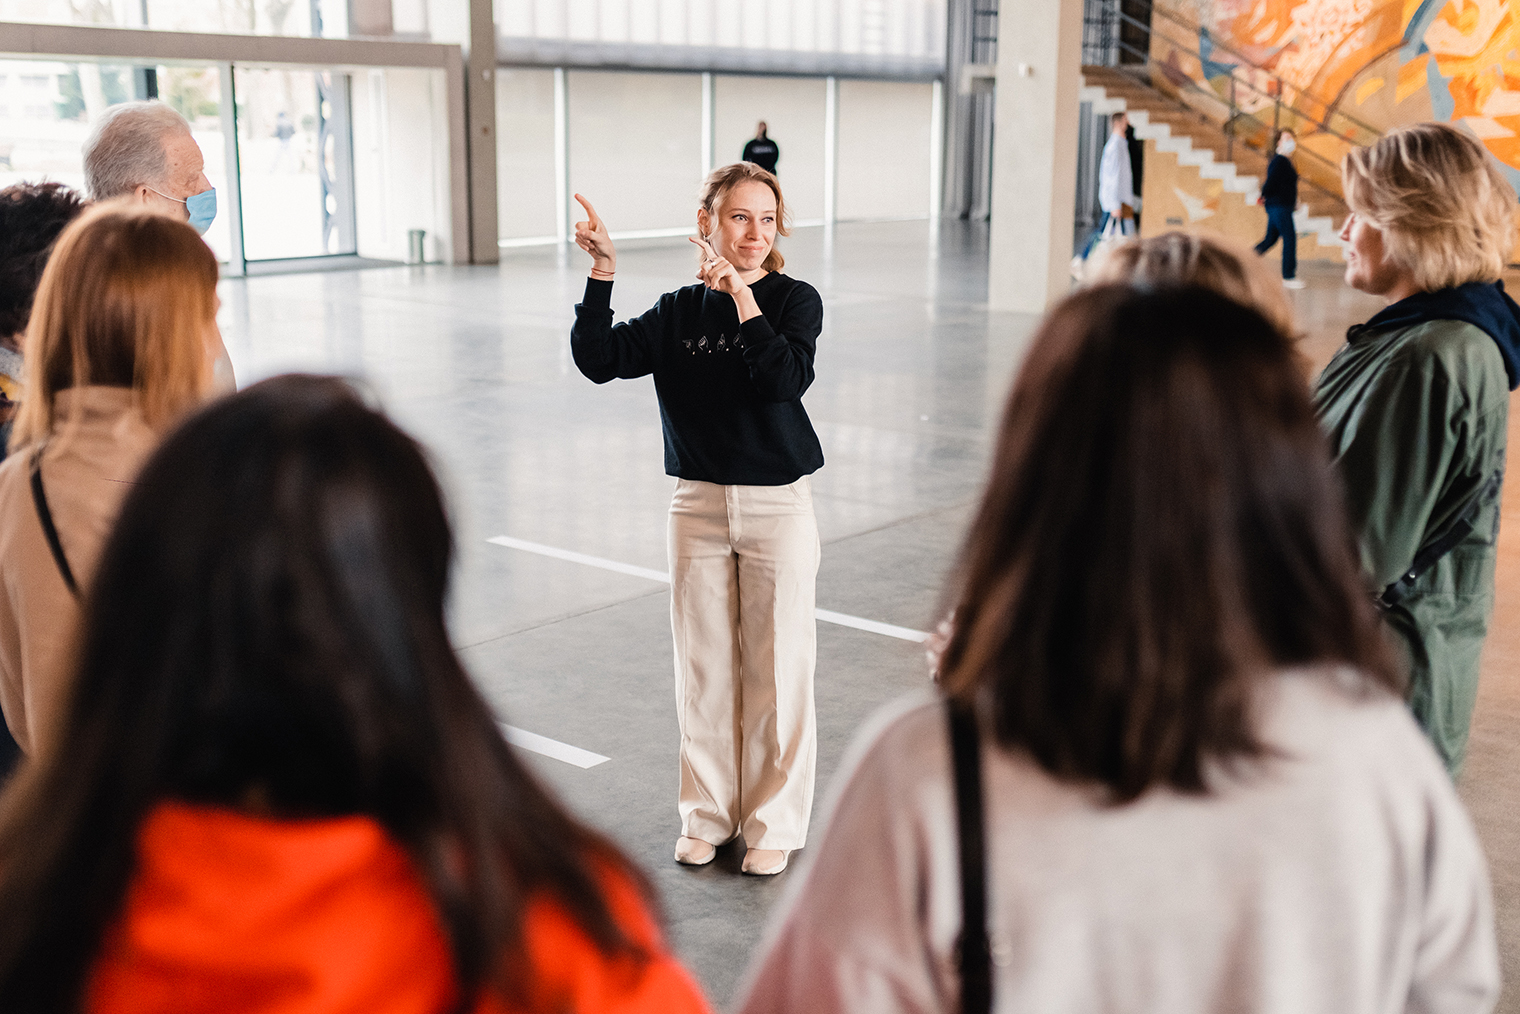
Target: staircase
{"points": [[1198, 141]]}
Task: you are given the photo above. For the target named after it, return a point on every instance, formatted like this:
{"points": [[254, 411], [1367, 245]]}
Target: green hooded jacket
{"points": [[1417, 415]]}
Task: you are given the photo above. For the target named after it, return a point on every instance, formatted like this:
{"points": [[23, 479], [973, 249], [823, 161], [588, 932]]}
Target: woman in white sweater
{"points": [[1199, 788]]}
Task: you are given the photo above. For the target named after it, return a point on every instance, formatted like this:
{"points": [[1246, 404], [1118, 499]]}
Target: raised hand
{"points": [[716, 272], [591, 236]]}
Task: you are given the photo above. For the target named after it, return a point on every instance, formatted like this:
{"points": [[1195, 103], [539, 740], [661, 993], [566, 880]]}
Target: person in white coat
{"points": [[1199, 788], [1116, 183]]}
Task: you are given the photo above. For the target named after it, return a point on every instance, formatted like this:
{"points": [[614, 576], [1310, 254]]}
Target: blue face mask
{"points": [[202, 208]]}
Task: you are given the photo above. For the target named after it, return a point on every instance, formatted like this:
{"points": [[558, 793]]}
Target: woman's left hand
{"points": [[716, 272]]}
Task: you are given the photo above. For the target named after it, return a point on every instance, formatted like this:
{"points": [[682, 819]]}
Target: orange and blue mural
{"points": [[1341, 69]]}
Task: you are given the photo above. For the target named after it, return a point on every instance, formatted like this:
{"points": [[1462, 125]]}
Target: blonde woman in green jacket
{"points": [[1416, 403]]}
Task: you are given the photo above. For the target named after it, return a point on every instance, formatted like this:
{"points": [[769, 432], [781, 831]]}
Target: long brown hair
{"points": [[1162, 529], [721, 182], [268, 622], [126, 301]]}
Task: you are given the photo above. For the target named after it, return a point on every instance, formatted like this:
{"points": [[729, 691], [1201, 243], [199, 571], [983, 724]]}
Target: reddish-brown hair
{"points": [[721, 182], [126, 300], [1161, 531]]}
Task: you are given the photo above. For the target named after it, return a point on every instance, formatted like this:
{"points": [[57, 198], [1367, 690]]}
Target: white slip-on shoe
{"points": [[694, 851], [765, 862], [1293, 283]]}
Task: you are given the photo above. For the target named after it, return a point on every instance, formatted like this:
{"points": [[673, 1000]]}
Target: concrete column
{"points": [[830, 154], [1034, 164], [480, 93], [709, 119], [561, 158]]}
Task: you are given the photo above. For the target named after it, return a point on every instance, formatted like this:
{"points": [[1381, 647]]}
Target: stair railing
{"points": [[1331, 106], [1236, 116]]}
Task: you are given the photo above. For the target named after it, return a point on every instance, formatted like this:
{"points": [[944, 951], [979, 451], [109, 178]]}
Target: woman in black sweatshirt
{"points": [[731, 358]]}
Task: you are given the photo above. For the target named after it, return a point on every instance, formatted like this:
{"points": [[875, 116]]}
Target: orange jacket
{"points": [[241, 915]]}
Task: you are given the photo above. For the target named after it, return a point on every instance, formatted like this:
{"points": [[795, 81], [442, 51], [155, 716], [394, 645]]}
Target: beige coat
{"points": [[87, 471]]}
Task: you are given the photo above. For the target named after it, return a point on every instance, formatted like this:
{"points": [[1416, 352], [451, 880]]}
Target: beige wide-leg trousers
{"points": [[743, 574]]}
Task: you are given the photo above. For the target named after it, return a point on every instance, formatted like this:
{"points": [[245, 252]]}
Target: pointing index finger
{"points": [[596, 222]]}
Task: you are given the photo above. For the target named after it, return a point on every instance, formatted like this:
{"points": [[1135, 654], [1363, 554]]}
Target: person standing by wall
{"points": [[731, 358], [1279, 195], [761, 150], [1416, 403]]}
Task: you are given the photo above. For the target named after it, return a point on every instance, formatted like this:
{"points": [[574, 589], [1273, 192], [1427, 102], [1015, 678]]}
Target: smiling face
{"points": [[1368, 266], [744, 227]]}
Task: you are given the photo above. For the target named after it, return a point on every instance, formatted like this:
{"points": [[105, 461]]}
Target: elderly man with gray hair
{"points": [[144, 151]]}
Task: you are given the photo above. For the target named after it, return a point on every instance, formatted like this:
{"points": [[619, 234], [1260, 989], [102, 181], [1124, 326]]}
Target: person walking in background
{"points": [[121, 342], [731, 358], [1136, 167], [276, 789], [1279, 195], [761, 150], [1198, 790], [1116, 185], [1416, 403]]}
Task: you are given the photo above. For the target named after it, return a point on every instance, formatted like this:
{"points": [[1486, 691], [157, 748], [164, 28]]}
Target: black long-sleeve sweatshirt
{"points": [[1281, 185], [730, 393]]}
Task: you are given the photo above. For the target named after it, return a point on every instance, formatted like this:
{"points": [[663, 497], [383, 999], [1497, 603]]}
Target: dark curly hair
{"points": [[31, 217]]}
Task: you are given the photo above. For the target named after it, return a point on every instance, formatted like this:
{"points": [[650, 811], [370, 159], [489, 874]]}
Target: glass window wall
{"points": [[47, 107], [238, 17], [913, 29]]}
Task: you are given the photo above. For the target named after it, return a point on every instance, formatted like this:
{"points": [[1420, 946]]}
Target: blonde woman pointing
{"points": [[731, 357]]}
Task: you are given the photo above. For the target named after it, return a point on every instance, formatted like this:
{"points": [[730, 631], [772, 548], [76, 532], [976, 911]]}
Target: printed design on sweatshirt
{"points": [[706, 345]]}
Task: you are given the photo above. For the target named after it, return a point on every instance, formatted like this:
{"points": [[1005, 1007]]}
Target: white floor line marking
{"points": [[874, 626], [826, 615], [552, 747], [590, 561]]}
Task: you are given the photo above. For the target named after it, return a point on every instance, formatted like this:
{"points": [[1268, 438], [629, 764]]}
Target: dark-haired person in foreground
{"points": [[276, 790], [1201, 791], [31, 217], [1416, 403]]}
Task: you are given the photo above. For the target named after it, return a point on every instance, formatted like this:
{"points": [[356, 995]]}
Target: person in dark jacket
{"points": [[761, 150], [731, 358], [1416, 403], [31, 217], [1279, 194]]}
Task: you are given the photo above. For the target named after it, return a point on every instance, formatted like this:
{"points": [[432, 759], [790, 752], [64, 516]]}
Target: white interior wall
{"points": [[884, 146], [636, 147], [525, 152], [792, 109], [400, 161]]}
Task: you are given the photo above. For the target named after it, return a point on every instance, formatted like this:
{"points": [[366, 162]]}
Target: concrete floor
{"points": [[912, 369]]}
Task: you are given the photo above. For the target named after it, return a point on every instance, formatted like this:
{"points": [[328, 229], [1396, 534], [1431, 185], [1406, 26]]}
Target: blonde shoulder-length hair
{"points": [[1210, 262], [1446, 213], [126, 300], [721, 182]]}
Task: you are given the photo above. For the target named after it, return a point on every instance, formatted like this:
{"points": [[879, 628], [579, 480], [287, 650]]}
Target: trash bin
{"points": [[416, 246]]}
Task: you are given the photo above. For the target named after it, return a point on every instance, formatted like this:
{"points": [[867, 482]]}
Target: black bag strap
{"points": [[45, 515], [975, 949], [1429, 555]]}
